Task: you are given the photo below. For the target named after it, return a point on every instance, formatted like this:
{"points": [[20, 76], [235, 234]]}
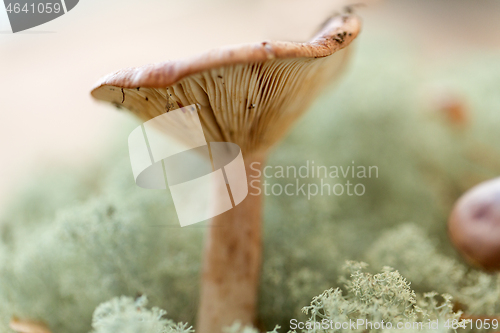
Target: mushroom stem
{"points": [[232, 261]]}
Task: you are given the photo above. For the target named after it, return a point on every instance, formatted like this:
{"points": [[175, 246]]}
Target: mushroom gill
{"points": [[251, 100]]}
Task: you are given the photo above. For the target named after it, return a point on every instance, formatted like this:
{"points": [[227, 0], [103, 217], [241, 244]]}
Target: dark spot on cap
{"points": [[481, 212]]}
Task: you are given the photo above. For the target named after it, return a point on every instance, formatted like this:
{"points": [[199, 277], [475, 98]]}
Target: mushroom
{"points": [[249, 95], [474, 225]]}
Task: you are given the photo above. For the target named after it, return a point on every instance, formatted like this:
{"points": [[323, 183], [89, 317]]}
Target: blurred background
{"points": [[47, 116]]}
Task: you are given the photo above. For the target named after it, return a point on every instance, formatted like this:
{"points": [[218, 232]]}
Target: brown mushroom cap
{"points": [[474, 225], [248, 94]]}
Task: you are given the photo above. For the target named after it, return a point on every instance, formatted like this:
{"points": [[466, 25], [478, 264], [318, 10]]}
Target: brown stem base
{"points": [[231, 263]]}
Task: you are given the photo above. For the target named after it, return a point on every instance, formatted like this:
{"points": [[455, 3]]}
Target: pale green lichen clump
{"points": [[72, 241], [418, 258], [377, 303], [384, 300], [126, 315]]}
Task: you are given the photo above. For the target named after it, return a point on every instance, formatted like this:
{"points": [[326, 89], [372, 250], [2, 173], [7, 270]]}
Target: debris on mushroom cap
{"points": [[248, 94], [474, 225]]}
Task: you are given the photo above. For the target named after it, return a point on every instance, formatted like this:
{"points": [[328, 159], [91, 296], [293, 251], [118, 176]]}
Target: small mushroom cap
{"points": [[474, 225], [247, 94]]}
